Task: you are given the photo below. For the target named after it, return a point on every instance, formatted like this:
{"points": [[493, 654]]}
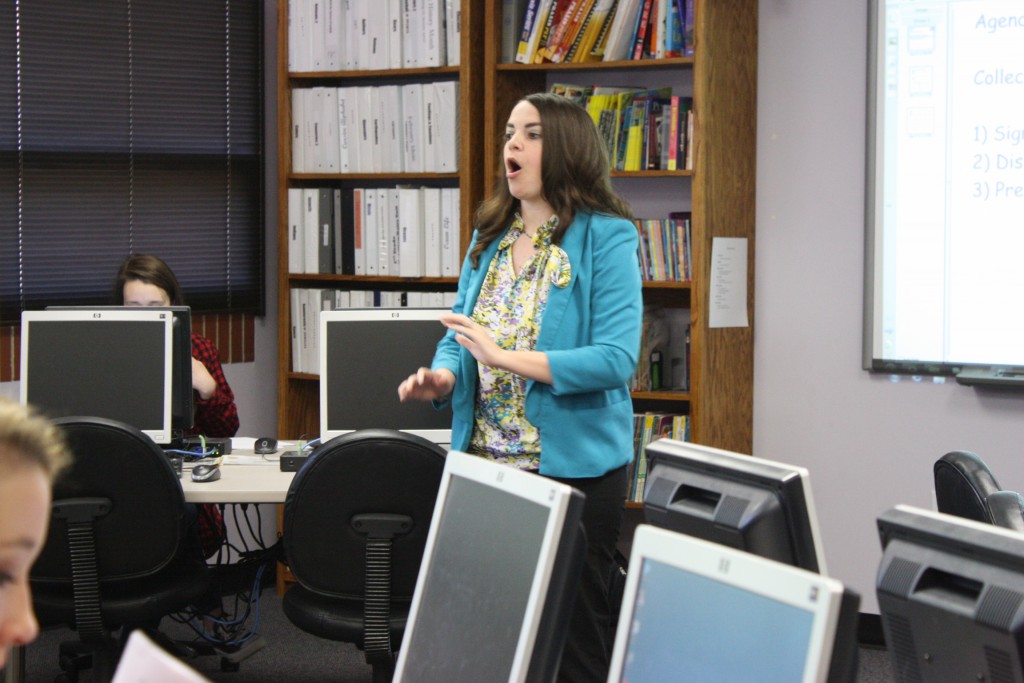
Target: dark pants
{"points": [[588, 646]]}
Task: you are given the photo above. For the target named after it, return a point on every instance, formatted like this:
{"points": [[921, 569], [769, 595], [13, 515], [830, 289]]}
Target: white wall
{"points": [[869, 442]]}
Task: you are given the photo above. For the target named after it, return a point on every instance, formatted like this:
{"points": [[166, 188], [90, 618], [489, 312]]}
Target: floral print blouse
{"points": [[511, 307]]}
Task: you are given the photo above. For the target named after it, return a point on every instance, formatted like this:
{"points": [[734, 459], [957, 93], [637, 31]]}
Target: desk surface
{"points": [[240, 483]]}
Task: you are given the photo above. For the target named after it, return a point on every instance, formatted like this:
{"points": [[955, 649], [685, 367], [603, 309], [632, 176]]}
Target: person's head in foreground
{"points": [[32, 451]]}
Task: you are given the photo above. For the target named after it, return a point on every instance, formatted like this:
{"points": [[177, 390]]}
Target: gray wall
{"points": [[869, 442]]}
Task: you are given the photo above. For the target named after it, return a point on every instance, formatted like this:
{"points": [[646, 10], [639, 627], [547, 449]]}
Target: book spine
{"points": [[524, 35], [641, 31], [673, 133], [545, 35], [572, 30], [561, 27], [597, 52]]}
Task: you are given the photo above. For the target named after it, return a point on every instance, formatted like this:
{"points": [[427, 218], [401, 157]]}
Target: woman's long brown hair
{"points": [[574, 173]]}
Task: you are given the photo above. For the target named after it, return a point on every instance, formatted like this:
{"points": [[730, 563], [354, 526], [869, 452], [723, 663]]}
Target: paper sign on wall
{"points": [[728, 295]]}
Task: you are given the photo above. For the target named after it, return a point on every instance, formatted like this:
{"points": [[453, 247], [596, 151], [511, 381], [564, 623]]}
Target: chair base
{"points": [[74, 656]]}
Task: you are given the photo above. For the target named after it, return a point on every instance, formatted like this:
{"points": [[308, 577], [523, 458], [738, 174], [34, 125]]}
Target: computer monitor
{"points": [[698, 611], [182, 405], [365, 353], [757, 505], [951, 596], [498, 577], [115, 364]]}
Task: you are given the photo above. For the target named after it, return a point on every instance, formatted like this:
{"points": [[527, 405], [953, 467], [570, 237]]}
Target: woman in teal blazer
{"points": [[544, 336], [591, 335]]}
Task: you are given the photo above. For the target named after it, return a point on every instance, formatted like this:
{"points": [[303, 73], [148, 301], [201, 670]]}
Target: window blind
{"points": [[130, 126]]}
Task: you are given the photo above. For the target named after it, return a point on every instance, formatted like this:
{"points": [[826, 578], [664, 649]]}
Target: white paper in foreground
{"points": [[144, 662]]}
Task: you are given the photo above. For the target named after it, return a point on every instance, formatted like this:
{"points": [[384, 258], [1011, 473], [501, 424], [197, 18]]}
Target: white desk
{"points": [[240, 484]]}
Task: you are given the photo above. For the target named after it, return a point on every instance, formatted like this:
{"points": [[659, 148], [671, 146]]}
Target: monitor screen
{"points": [[698, 611], [757, 505], [182, 407], [114, 364], [951, 596], [364, 355], [498, 577]]}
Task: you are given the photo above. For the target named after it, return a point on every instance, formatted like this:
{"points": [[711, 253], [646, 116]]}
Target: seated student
{"points": [[32, 451], [145, 280]]}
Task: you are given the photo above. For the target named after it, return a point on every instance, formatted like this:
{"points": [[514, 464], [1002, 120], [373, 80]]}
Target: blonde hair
{"points": [[27, 438]]}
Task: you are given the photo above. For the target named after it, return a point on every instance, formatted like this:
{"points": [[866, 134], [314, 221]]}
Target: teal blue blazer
{"points": [[591, 334]]}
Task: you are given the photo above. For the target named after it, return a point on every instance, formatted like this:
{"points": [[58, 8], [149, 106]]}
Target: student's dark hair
{"points": [[574, 173], [152, 271]]}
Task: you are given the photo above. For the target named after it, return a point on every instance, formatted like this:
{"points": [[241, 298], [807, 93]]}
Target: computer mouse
{"points": [[205, 473], [265, 445]]}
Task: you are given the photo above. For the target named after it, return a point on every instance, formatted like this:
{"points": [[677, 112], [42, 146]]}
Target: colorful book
{"points": [[619, 41], [577, 18], [524, 34], [595, 22], [565, 11], [597, 52], [643, 22]]}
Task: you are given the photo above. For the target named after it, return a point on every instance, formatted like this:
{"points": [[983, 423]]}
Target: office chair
{"points": [[355, 524], [1006, 508], [115, 556], [962, 483]]}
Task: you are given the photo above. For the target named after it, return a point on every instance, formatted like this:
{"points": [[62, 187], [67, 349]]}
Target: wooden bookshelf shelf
{"points": [[369, 280], [623, 65], [675, 396], [374, 177], [375, 74]]}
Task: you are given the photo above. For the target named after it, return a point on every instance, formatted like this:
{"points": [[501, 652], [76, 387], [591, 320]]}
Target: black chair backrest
{"points": [[1007, 510], [368, 471], [141, 533], [962, 483]]}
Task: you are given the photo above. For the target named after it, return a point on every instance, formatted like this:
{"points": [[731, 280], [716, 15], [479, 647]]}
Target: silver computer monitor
{"points": [[182, 404], [115, 363], [498, 578], [698, 611], [365, 353]]}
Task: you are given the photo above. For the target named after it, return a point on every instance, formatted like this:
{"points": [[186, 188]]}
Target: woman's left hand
{"points": [[474, 338]]}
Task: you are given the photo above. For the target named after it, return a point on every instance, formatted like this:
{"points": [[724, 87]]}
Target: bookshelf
{"points": [[298, 392], [718, 192]]}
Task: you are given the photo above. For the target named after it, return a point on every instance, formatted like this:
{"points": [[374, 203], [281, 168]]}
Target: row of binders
{"points": [[359, 35], [562, 31], [306, 304], [649, 427], [401, 231], [665, 248], [643, 129], [409, 128]]}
